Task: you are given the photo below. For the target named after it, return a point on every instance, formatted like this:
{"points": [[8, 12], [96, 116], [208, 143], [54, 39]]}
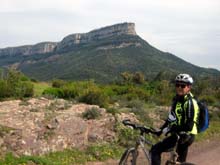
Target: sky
{"points": [[189, 29]]}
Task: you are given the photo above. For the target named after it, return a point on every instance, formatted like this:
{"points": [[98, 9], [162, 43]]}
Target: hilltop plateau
{"points": [[101, 54]]}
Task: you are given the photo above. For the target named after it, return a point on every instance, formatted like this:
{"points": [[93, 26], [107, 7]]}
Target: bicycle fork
{"points": [[140, 143]]}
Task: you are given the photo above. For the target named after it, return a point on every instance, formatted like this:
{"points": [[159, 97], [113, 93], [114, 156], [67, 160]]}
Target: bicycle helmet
{"points": [[185, 78]]}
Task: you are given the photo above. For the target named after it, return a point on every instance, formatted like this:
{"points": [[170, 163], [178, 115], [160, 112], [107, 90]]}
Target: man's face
{"points": [[182, 88]]}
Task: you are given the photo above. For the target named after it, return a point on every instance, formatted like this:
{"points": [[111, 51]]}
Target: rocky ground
{"points": [[39, 126]]}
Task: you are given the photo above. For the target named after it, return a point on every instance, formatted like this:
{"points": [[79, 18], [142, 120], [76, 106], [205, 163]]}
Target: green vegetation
{"points": [[92, 113], [92, 61], [128, 91], [99, 152], [214, 126], [15, 85], [132, 94], [4, 130], [137, 78], [39, 87]]}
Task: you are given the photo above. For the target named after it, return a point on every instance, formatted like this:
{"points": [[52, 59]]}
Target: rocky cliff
{"points": [[71, 40], [40, 48], [95, 35]]}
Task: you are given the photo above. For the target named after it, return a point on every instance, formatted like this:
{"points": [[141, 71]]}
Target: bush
{"points": [[15, 84], [24, 89], [120, 90], [214, 115], [69, 91], [92, 113], [58, 83], [113, 111], [138, 78], [4, 89], [126, 136], [95, 97], [208, 98], [55, 92]]}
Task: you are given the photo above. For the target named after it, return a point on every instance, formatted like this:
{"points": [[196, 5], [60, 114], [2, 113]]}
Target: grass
{"points": [[95, 152], [4, 130], [100, 152], [212, 131], [39, 87]]}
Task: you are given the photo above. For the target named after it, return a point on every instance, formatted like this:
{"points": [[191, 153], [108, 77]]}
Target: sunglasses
{"points": [[181, 85]]}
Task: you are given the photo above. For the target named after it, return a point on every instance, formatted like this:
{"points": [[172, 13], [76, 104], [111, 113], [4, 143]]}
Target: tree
{"points": [[138, 78], [18, 85], [127, 77]]}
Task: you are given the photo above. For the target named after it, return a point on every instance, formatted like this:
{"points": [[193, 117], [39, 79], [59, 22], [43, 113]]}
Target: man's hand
{"points": [[166, 131], [158, 132]]}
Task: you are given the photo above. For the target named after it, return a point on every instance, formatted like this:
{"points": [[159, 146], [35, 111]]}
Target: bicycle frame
{"points": [[134, 151], [140, 143], [173, 154]]}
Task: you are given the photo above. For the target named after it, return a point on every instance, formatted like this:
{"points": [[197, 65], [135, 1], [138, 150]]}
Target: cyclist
{"points": [[182, 119]]}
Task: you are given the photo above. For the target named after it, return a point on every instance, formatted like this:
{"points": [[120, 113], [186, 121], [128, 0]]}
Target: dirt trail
{"points": [[202, 153], [205, 153]]}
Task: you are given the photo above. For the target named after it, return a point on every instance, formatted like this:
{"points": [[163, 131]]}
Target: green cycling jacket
{"points": [[184, 112]]}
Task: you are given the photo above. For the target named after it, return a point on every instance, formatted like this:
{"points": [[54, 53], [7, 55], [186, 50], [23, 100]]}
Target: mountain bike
{"points": [[131, 155]]}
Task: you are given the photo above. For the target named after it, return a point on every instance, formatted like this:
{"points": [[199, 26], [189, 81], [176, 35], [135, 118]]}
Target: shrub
{"points": [[120, 90], [58, 83], [69, 91], [113, 111], [138, 78], [15, 84], [92, 113], [214, 115], [55, 92], [96, 97], [4, 89], [208, 98], [126, 136], [24, 89]]}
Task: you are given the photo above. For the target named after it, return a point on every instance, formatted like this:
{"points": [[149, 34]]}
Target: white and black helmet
{"points": [[185, 78]]}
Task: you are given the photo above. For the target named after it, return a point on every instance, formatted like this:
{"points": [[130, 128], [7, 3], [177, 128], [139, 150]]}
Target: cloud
{"points": [[188, 29], [30, 5]]}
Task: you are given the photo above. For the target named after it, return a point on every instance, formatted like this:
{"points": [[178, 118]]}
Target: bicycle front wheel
{"points": [[128, 157], [178, 163], [187, 163], [134, 157]]}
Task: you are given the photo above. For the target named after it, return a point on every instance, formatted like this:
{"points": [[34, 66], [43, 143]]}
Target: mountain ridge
{"points": [[71, 40], [102, 54]]}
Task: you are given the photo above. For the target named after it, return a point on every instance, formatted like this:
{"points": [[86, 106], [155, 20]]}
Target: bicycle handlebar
{"points": [[143, 129]]}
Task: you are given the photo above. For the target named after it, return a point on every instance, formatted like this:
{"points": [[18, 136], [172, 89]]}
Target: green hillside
{"points": [[93, 61]]}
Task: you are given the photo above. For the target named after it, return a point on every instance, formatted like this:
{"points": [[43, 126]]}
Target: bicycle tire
{"points": [[187, 163], [132, 156], [128, 157], [168, 162]]}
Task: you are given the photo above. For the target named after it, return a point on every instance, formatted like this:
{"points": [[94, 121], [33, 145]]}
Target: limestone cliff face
{"points": [[98, 34], [40, 48], [71, 40]]}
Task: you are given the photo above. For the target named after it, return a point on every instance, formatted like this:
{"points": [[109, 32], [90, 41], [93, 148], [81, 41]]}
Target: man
{"points": [[182, 119]]}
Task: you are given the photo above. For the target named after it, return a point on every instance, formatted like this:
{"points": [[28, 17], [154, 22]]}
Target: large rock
{"points": [[39, 126]]}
